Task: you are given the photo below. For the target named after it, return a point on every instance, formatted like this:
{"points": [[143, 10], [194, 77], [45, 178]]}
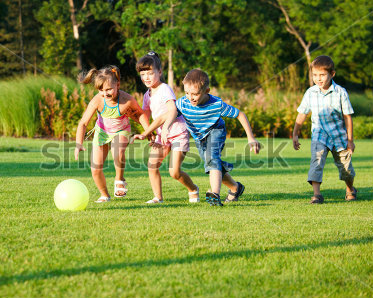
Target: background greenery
{"points": [[272, 243], [249, 48], [241, 43]]}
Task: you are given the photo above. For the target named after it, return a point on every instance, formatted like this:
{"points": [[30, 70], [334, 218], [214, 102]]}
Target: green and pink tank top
{"points": [[109, 124]]}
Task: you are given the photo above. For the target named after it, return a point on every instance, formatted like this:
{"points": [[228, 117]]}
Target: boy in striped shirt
{"points": [[203, 114], [332, 128]]}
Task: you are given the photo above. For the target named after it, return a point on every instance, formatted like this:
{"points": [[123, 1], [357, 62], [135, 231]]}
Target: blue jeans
{"points": [[210, 149]]}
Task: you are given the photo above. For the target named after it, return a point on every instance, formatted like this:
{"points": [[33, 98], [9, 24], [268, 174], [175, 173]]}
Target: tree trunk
{"points": [[306, 47], [170, 71], [170, 51], [21, 35], [76, 34]]}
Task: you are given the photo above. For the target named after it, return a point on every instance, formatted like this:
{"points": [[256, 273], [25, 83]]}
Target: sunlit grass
{"points": [[271, 243]]}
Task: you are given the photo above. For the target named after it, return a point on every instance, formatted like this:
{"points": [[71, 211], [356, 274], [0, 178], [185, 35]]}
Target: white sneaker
{"points": [[194, 200], [154, 201]]}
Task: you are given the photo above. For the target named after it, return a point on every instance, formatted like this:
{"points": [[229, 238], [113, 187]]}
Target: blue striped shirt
{"points": [[328, 125], [201, 118]]}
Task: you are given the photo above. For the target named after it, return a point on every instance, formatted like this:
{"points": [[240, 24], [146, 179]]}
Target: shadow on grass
{"points": [[330, 195], [224, 255], [177, 205]]}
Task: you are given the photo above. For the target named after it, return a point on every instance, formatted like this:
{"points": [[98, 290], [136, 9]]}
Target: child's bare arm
{"points": [[254, 144], [171, 115], [134, 111], [350, 134], [298, 124], [82, 126]]}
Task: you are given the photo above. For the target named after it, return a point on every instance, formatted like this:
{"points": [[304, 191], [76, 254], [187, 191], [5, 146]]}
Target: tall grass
{"points": [[19, 102]]}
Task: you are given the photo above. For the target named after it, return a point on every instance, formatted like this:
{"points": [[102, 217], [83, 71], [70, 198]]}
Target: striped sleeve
{"points": [[228, 111], [178, 107], [346, 104]]}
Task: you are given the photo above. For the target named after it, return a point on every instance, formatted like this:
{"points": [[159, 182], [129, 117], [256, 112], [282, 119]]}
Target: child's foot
{"points": [[317, 199], [103, 199], [351, 195], [194, 196], [120, 188], [154, 201], [213, 199], [233, 196]]}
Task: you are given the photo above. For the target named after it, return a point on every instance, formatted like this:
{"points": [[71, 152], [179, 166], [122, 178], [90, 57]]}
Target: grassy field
{"points": [[272, 243]]}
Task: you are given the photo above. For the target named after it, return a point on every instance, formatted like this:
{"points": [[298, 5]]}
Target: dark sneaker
{"points": [[213, 199], [317, 199]]}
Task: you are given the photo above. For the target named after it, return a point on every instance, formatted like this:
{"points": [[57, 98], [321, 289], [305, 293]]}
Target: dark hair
{"points": [[148, 62], [324, 62], [109, 73], [197, 77]]}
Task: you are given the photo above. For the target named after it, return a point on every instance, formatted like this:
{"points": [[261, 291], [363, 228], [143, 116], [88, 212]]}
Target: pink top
{"points": [[157, 105]]}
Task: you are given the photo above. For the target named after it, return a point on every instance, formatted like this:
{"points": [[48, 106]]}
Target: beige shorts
{"points": [[342, 160]]}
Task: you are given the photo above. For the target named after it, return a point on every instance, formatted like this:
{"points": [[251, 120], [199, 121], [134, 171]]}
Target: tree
{"points": [[19, 29]]}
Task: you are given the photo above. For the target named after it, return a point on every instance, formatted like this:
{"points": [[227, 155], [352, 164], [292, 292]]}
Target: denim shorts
{"points": [[210, 148]]}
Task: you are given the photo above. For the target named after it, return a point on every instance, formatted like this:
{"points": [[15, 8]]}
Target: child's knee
{"points": [[175, 173], [96, 170]]}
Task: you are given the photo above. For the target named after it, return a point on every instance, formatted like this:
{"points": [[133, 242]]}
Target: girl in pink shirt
{"points": [[157, 101]]}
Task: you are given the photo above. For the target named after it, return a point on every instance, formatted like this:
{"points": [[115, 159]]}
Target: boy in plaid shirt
{"points": [[332, 128]]}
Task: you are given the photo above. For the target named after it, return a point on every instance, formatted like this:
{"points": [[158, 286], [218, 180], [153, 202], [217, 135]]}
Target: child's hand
{"points": [[151, 139], [164, 135], [351, 146], [139, 137], [254, 146], [296, 143], [78, 148]]}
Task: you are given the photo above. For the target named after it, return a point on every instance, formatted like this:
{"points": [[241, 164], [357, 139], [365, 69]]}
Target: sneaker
{"points": [[213, 199]]}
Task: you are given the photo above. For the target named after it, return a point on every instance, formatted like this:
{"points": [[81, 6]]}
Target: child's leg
{"points": [[319, 152], [215, 181], [99, 154], [157, 154], [176, 159], [118, 149], [316, 187], [229, 182], [343, 162]]}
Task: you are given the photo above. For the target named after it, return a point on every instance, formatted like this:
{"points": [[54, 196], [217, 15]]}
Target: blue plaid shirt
{"points": [[328, 125]]}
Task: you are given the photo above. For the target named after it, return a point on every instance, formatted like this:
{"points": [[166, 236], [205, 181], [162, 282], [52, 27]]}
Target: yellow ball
{"points": [[71, 195]]}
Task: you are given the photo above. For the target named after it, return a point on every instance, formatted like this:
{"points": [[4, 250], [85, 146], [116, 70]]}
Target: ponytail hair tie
{"points": [[116, 73]]}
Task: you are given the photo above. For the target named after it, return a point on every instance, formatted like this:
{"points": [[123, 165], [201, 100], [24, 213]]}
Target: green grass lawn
{"points": [[272, 243]]}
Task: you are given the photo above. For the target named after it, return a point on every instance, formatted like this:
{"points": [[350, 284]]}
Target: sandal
{"points": [[103, 199], [154, 201], [237, 194], [123, 188], [351, 194], [317, 199], [213, 199], [194, 200]]}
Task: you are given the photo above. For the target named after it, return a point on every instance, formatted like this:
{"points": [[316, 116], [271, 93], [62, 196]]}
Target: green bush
{"points": [[362, 103], [52, 107], [363, 127]]}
